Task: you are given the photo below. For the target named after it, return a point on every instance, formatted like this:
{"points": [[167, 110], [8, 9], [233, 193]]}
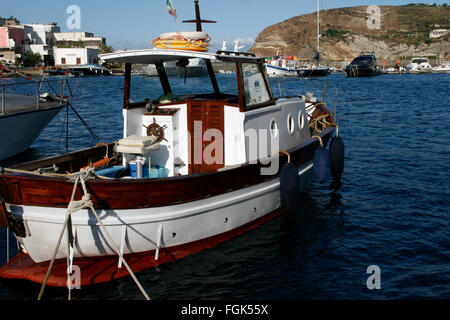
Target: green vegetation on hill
{"points": [[345, 30], [410, 24]]}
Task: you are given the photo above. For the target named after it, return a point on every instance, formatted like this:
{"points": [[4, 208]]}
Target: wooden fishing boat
{"points": [[192, 170]]}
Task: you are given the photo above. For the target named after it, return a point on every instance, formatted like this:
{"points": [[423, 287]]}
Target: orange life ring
{"points": [[192, 41]]}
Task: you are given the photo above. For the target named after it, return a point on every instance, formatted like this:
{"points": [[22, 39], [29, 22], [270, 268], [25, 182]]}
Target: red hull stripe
{"points": [[104, 269]]}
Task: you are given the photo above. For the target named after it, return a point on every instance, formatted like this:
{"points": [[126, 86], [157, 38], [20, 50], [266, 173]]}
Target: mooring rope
{"points": [[85, 203], [319, 138], [116, 250], [68, 212], [285, 153]]}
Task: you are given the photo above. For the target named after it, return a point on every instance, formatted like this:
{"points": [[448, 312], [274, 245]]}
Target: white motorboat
{"points": [[419, 65], [281, 66], [22, 118], [443, 68]]}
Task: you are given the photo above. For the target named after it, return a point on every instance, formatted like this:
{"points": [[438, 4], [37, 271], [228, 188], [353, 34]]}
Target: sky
{"points": [[133, 24]]}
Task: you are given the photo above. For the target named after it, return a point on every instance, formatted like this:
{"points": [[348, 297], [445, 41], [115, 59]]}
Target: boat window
{"points": [[254, 85], [301, 120], [273, 128], [290, 124], [186, 77], [185, 80], [363, 59], [226, 78], [419, 60]]}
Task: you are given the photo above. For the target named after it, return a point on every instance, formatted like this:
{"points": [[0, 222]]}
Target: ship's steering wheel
{"points": [[156, 130]]}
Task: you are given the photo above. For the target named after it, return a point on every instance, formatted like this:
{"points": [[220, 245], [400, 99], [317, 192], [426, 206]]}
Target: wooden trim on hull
{"points": [[31, 190], [3, 216], [103, 269]]}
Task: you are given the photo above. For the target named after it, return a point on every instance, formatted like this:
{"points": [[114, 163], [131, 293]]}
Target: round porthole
{"points": [[273, 128], [301, 120], [290, 124]]}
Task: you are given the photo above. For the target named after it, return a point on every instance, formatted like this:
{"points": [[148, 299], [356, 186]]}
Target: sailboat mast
{"points": [[318, 31]]}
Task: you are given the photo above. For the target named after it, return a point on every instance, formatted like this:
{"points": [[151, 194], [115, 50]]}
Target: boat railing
{"points": [[42, 90]]}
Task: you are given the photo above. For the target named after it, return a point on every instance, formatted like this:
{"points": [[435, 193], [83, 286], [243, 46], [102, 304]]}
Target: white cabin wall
{"points": [[175, 133], [258, 121], [134, 122], [234, 138], [164, 156], [181, 143]]}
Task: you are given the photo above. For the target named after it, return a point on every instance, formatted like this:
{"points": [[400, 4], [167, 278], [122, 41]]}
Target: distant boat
{"points": [[89, 70], [443, 68], [22, 118], [195, 68], [55, 72], [315, 69], [419, 65], [365, 65], [393, 70], [281, 66]]}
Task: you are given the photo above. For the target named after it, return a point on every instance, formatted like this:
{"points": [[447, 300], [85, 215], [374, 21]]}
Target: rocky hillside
{"points": [[345, 32]]}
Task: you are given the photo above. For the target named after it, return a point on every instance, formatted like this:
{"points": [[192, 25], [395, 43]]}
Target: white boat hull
{"points": [[18, 131], [274, 71], [140, 230]]}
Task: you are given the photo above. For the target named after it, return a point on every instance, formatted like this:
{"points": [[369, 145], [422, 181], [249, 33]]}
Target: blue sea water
{"points": [[392, 209]]}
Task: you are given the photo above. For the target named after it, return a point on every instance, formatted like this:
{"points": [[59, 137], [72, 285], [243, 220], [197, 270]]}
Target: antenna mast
{"points": [[318, 31], [198, 21]]}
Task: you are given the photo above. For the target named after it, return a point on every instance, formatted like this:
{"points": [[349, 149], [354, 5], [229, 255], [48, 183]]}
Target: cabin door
{"points": [[206, 129]]}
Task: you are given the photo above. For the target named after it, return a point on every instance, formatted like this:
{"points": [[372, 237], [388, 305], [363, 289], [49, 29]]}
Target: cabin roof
{"points": [[148, 56]]}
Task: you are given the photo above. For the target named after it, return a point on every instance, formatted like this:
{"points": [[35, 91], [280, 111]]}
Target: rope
{"points": [[50, 174], [68, 212], [320, 120], [337, 128], [111, 242], [320, 140], [84, 203], [287, 154]]}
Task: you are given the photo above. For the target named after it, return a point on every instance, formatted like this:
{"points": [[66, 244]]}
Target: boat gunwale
{"points": [[15, 185], [42, 107], [97, 179]]}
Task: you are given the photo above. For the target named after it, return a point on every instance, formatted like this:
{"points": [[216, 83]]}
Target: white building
{"points": [[437, 33], [75, 56], [39, 38], [76, 48], [88, 38]]}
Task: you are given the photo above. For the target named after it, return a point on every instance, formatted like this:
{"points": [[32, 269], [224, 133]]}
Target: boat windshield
{"points": [[186, 80], [419, 60], [254, 86], [363, 59]]}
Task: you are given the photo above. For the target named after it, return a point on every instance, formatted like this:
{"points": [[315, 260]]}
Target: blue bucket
{"points": [[132, 165], [132, 168], [158, 172], [163, 172], [154, 173]]}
